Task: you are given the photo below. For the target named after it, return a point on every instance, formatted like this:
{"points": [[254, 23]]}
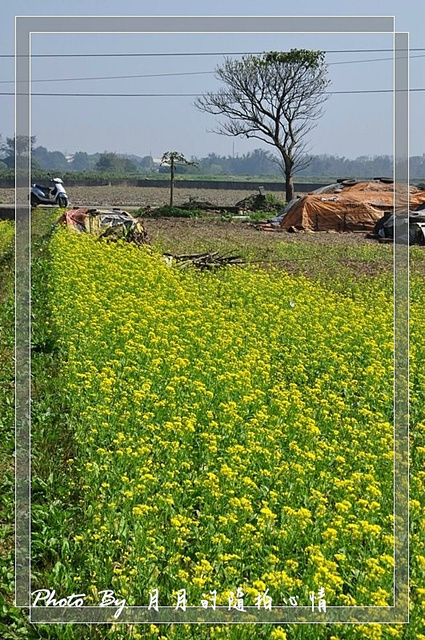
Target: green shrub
{"points": [[169, 212], [274, 202]]}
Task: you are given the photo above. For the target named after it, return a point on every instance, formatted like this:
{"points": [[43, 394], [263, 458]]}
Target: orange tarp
{"points": [[381, 194], [325, 212], [349, 208]]}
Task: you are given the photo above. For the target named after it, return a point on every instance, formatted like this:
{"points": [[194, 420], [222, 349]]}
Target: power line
{"points": [[373, 60], [144, 75], [180, 73], [201, 53], [179, 95], [373, 91]]}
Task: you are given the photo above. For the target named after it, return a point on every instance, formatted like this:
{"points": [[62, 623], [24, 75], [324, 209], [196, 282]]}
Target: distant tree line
{"points": [[258, 162]]}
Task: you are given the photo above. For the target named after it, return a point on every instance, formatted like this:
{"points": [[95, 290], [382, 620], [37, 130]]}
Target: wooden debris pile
{"points": [[255, 202], [208, 206], [203, 261]]}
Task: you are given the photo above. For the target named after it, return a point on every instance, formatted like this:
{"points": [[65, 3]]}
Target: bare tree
{"points": [[276, 97], [171, 159]]}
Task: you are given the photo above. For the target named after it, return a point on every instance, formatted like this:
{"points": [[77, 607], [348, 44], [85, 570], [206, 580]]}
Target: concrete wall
{"points": [[232, 184]]}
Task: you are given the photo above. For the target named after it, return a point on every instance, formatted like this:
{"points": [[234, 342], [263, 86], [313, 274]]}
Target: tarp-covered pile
{"points": [[347, 206], [112, 224]]}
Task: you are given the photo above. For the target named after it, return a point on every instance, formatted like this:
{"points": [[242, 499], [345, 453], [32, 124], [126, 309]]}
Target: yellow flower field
{"points": [[231, 429]]}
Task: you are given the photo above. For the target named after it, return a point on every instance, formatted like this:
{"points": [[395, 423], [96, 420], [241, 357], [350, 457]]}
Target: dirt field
{"points": [[317, 254], [202, 232], [142, 196]]}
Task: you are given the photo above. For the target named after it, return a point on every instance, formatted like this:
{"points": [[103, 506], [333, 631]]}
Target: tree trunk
{"points": [[171, 182], [287, 166], [289, 186]]}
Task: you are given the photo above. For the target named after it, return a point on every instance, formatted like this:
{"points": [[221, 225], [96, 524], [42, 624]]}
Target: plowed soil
{"points": [[123, 196]]}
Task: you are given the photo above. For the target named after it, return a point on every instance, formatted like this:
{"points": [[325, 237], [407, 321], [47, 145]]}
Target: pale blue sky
{"points": [[352, 125]]}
